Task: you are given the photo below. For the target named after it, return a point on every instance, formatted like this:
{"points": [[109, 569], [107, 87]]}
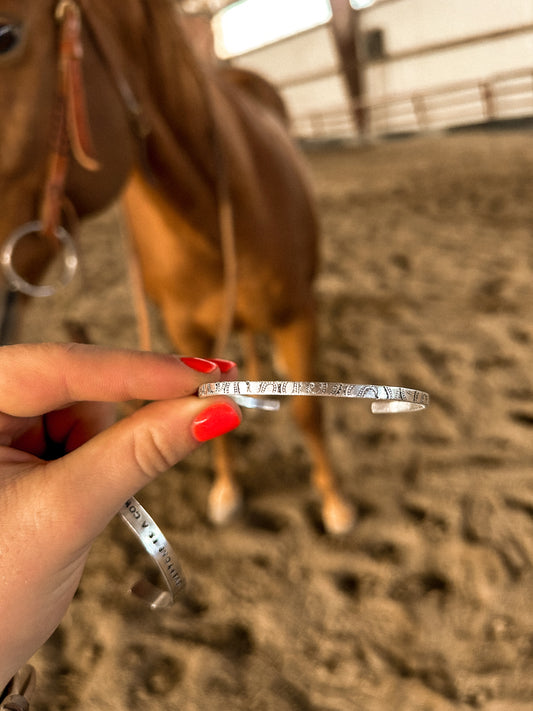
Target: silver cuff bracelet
{"points": [[387, 398]]}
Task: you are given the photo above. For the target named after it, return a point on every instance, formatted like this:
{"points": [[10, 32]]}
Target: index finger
{"points": [[38, 378]]}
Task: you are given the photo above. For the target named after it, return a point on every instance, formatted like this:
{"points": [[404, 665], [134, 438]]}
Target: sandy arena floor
{"points": [[427, 605]]}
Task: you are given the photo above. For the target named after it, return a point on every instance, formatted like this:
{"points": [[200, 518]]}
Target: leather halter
{"points": [[71, 135], [71, 130]]}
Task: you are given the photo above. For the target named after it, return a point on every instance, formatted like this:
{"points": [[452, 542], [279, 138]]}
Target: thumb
{"points": [[89, 485]]}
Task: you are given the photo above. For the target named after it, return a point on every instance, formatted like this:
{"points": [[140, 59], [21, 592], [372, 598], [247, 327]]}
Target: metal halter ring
{"points": [[161, 552], [388, 398], [16, 282]]}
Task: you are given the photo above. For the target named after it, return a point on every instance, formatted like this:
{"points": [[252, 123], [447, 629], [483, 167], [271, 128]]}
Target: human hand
{"points": [[66, 468]]}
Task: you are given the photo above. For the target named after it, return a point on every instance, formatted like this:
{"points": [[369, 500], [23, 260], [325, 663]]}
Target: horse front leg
{"points": [[224, 499], [296, 345]]}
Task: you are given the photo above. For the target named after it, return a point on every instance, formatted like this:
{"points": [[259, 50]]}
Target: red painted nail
{"points": [[215, 421], [224, 365], [200, 364]]}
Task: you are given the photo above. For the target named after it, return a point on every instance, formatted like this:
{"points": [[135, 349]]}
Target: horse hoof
{"points": [[224, 502], [338, 517]]}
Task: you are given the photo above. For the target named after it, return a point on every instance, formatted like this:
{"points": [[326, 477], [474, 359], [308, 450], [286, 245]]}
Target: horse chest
{"points": [[174, 256]]}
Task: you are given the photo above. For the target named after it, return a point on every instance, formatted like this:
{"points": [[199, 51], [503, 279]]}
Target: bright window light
{"points": [[249, 24], [360, 4]]}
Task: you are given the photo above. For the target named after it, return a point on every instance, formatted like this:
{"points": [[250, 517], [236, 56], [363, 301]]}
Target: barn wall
{"points": [[445, 66], [292, 57], [426, 44], [416, 23], [311, 55], [306, 69], [431, 42]]}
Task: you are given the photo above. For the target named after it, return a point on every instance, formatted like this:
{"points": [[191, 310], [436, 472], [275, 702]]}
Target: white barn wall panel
{"points": [[293, 57], [427, 44], [412, 25], [448, 66], [286, 61], [415, 23], [313, 96]]}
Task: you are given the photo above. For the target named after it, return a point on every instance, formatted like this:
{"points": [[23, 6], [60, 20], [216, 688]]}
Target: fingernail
{"points": [[215, 421], [200, 364], [224, 365]]}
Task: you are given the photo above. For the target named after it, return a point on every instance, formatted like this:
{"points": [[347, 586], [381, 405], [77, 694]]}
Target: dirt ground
{"points": [[426, 605]]}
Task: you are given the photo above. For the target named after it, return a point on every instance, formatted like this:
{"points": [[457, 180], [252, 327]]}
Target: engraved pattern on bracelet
{"points": [[387, 398], [161, 552]]}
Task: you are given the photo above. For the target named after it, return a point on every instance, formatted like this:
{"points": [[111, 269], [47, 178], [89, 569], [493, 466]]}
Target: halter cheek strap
{"points": [[73, 87], [71, 130]]}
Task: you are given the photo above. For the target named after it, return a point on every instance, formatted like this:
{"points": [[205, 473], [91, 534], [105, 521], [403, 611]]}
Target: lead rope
{"points": [[225, 214], [138, 292], [226, 224], [226, 227]]}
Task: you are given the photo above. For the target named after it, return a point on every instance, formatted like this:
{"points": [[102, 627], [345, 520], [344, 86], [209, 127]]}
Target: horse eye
{"points": [[9, 37]]}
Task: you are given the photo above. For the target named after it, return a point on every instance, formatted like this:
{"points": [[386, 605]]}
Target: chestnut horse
{"points": [[165, 127]]}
